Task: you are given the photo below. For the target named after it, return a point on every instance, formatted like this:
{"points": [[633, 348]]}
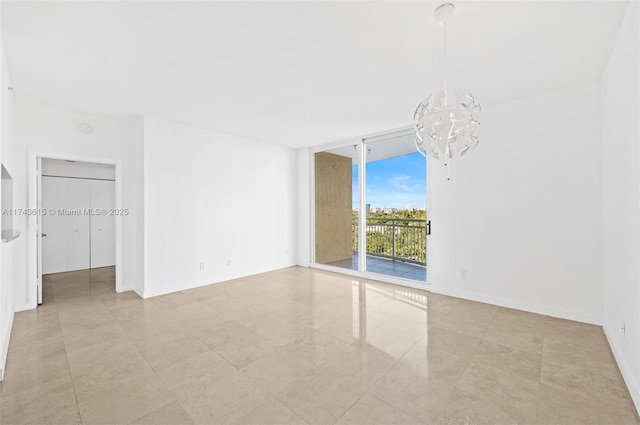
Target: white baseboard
{"points": [[5, 346], [164, 291], [517, 305], [139, 291], [156, 292], [23, 307], [467, 295], [632, 383]]}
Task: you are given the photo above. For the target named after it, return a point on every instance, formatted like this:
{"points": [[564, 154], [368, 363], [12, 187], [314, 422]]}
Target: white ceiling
{"points": [[296, 73], [395, 145]]}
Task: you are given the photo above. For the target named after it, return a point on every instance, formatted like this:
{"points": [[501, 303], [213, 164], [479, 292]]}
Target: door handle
{"points": [[44, 235]]}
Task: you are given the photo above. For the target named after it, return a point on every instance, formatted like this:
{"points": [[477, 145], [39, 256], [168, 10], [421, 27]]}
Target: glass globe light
{"points": [[446, 128]]}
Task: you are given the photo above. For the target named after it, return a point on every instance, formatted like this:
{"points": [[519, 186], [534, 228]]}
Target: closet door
{"points": [[65, 246], [103, 227]]}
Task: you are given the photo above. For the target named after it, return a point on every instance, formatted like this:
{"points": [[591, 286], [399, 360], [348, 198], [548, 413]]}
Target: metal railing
{"points": [[401, 239]]}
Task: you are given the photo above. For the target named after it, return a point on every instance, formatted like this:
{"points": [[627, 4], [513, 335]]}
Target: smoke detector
{"points": [[85, 128]]}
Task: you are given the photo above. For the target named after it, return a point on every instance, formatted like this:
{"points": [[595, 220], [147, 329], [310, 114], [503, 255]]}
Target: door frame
{"points": [[34, 234], [361, 142]]}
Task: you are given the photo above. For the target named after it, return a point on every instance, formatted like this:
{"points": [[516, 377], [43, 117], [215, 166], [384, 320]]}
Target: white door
{"points": [[65, 233], [103, 227]]}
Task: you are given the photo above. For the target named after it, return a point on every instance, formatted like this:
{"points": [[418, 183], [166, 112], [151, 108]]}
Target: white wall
{"points": [[304, 207], [620, 93], [522, 213], [47, 130], [7, 249], [134, 196], [211, 197]]}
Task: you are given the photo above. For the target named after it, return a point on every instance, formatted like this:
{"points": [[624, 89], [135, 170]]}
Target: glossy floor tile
{"points": [[386, 266], [300, 346]]}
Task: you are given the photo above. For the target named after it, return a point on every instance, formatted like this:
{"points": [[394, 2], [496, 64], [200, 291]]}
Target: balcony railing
{"points": [[400, 239]]}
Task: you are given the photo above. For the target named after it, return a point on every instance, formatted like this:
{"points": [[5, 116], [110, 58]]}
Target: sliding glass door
{"points": [[396, 198], [372, 218]]}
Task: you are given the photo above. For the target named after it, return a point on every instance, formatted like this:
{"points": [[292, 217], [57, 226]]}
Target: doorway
{"points": [[78, 229], [396, 211], [370, 208], [34, 221]]}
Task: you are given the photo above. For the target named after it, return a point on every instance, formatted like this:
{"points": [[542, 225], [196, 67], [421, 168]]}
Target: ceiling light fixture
{"points": [[446, 124]]}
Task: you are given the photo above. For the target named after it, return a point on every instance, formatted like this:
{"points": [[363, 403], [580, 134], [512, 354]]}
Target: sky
{"points": [[395, 182]]}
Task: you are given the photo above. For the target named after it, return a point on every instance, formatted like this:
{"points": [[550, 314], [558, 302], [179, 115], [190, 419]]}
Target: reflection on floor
{"points": [[302, 346], [78, 284], [386, 266]]}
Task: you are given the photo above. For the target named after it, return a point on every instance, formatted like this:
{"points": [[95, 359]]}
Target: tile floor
{"points": [[386, 266], [300, 346]]}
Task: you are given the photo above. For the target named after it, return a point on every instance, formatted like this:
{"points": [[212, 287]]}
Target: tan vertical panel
{"points": [[333, 207]]}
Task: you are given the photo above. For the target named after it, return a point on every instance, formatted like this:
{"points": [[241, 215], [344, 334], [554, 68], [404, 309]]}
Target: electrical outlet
{"points": [[228, 262], [464, 273], [201, 265]]}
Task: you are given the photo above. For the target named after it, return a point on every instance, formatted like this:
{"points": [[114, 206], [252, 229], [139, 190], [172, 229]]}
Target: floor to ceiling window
{"points": [[373, 218]]}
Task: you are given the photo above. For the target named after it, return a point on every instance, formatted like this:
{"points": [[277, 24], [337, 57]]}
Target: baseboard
{"points": [[139, 291], [23, 307], [517, 305], [5, 346], [164, 291], [632, 384], [156, 292], [467, 295]]}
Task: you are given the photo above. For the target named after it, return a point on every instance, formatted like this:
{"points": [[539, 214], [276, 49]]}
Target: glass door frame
{"points": [[362, 215]]}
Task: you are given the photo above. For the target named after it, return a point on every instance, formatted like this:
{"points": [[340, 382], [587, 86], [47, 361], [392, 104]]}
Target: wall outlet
{"points": [[228, 262], [464, 273], [201, 265]]}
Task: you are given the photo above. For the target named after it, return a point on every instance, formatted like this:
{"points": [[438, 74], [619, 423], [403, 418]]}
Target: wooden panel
{"points": [[332, 207]]}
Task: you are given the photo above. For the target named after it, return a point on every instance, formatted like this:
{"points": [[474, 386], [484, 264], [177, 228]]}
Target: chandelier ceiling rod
{"points": [[443, 14], [446, 65]]}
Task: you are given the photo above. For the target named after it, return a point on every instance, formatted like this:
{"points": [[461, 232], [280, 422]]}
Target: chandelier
{"points": [[446, 123]]}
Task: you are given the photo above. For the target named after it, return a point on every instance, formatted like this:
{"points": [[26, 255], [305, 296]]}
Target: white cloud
{"points": [[405, 183]]}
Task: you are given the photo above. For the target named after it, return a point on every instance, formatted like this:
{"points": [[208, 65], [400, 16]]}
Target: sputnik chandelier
{"points": [[446, 124]]}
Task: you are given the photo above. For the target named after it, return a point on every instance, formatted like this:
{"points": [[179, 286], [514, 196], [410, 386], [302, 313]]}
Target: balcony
{"points": [[395, 247]]}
